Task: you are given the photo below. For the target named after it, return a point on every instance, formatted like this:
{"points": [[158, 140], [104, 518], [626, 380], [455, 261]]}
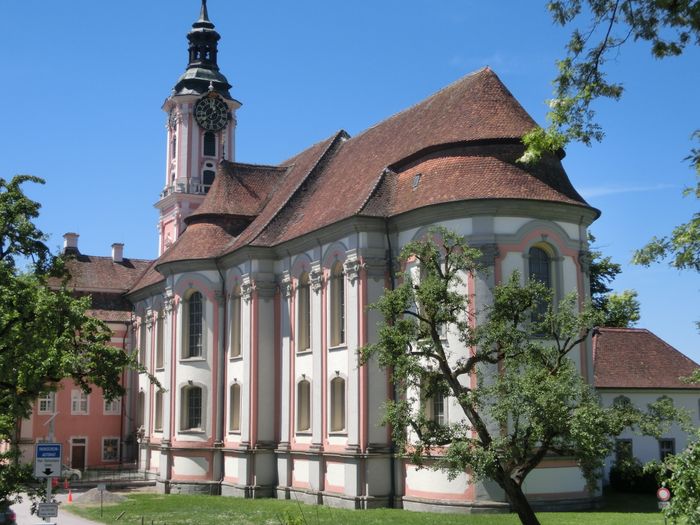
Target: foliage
{"points": [[45, 334], [521, 396], [681, 474], [621, 310], [668, 25]]}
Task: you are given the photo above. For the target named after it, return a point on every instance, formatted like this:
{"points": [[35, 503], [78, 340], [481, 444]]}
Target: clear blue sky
{"points": [[83, 82]]}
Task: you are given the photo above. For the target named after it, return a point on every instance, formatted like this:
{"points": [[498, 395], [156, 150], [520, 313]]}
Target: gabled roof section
{"points": [[239, 190], [637, 358]]}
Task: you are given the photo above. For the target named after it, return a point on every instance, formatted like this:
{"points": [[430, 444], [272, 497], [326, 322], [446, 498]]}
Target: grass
{"points": [[213, 510]]}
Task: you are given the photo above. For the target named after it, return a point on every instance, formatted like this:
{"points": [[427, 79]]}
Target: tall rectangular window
{"points": [[158, 419], [303, 311], [195, 326], [191, 415], [303, 406], [337, 305], [142, 342], [160, 342], [234, 420], [337, 404], [236, 324], [78, 403]]}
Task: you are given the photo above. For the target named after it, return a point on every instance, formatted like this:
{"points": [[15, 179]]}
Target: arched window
{"points": [[540, 271], [540, 267], [173, 147], [303, 314], [234, 416], [434, 408], [337, 404], [209, 144], [303, 406], [337, 305], [207, 179], [191, 408], [158, 419], [160, 334], [140, 408], [236, 323], [195, 325]]}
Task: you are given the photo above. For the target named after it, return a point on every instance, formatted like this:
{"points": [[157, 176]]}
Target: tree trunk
{"points": [[519, 502]]}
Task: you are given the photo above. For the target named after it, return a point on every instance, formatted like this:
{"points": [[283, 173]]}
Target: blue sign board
{"points": [[47, 460]]}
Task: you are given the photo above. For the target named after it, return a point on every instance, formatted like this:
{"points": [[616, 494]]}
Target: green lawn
{"points": [[213, 510]]}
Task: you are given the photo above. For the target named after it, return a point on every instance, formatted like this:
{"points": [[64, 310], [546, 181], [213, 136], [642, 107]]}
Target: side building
{"points": [[636, 365], [94, 432]]}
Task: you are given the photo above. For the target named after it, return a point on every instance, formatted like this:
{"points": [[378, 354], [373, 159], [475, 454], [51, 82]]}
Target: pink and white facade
{"points": [[252, 316]]}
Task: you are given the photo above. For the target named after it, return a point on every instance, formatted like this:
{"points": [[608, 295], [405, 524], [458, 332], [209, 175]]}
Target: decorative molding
{"points": [[285, 286], [168, 303], [247, 289], [149, 319], [351, 268], [316, 279]]}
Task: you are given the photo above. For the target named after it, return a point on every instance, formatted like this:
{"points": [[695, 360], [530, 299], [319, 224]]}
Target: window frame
{"points": [[188, 322], [206, 143], [160, 340], [234, 412], [50, 403], [113, 407], [116, 447], [303, 313], [338, 306], [236, 324], [83, 409], [338, 426], [671, 451], [303, 413], [186, 406], [158, 411]]}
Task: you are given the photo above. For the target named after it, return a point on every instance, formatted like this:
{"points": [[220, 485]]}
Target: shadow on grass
{"points": [[614, 501]]}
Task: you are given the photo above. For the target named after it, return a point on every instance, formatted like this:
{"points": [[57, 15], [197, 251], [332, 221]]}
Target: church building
{"points": [[252, 315]]}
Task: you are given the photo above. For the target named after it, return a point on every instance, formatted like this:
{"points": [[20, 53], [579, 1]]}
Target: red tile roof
{"points": [[106, 282], [92, 273], [636, 358], [463, 141]]}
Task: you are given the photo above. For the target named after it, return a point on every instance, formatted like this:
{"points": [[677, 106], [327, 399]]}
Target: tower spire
{"points": [[202, 67]]}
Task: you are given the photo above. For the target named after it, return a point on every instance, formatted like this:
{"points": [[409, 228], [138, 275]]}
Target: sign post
{"points": [[47, 464], [663, 495]]}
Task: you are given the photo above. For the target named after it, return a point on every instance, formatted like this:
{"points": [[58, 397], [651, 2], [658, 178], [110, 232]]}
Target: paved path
{"points": [[24, 516]]}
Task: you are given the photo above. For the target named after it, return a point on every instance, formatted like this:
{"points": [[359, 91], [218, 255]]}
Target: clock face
{"points": [[211, 113]]}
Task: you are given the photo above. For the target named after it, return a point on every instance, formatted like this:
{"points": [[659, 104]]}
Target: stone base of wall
{"points": [[211, 488], [247, 491], [458, 507], [332, 499]]}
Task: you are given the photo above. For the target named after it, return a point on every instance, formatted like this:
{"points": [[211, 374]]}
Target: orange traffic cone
{"points": [[70, 496]]}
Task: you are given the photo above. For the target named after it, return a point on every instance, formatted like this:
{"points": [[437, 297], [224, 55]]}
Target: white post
{"points": [[51, 438]]}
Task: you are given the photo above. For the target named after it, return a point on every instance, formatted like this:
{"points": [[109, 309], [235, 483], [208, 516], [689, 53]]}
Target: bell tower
{"points": [[201, 127]]}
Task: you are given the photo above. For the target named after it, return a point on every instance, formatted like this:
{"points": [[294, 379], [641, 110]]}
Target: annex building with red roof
{"points": [[252, 315], [636, 365]]}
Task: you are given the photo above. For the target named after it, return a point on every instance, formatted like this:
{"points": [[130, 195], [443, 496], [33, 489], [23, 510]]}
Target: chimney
{"points": [[118, 252], [70, 243]]}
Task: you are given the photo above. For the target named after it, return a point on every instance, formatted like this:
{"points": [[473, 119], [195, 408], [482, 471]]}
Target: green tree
{"points": [[45, 334], [669, 26], [620, 310], [520, 395]]}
